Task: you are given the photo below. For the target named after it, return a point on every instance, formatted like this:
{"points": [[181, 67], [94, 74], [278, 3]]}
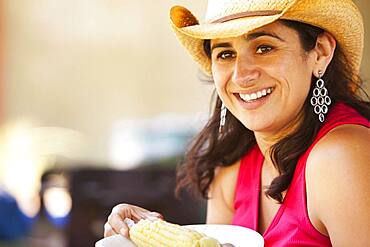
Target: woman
{"points": [[286, 150]]}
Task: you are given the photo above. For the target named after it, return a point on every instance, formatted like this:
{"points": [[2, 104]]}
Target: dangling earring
{"points": [[320, 99], [222, 118]]}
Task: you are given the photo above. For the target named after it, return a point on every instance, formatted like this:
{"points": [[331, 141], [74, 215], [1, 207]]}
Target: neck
{"points": [[265, 140]]}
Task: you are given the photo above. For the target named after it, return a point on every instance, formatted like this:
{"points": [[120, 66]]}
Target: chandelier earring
{"points": [[320, 99]]}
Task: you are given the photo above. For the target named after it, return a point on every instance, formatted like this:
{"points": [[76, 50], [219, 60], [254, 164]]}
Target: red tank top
{"points": [[291, 225]]}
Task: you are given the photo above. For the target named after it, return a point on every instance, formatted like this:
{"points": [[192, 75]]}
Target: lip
{"points": [[254, 90], [253, 105]]}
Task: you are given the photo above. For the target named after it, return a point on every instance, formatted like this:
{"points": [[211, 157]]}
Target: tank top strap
{"points": [[247, 189]]}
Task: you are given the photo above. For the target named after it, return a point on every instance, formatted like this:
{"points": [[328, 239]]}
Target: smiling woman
{"points": [[285, 150]]}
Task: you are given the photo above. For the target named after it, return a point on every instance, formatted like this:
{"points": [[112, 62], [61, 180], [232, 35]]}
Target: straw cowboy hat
{"points": [[232, 18]]}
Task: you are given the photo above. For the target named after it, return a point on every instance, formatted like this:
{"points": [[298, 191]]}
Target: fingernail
{"points": [[130, 223]]}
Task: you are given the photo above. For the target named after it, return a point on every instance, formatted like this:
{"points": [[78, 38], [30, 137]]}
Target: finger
{"points": [[154, 215], [108, 230], [125, 231], [116, 222], [128, 211], [132, 212], [136, 217]]}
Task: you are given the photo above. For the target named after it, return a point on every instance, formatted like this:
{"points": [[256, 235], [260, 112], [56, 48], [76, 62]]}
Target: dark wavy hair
{"points": [[210, 149]]}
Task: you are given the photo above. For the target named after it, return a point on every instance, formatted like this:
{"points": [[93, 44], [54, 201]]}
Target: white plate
{"points": [[236, 235], [115, 241]]}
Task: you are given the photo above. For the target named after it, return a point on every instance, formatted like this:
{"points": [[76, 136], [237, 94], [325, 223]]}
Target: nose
{"points": [[244, 72]]}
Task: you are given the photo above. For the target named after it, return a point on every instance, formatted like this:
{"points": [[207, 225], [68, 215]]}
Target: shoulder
{"points": [[342, 154], [345, 145], [220, 206], [337, 179], [226, 172], [225, 180]]}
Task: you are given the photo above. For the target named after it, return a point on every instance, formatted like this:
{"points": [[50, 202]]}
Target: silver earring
{"points": [[222, 118], [320, 99]]}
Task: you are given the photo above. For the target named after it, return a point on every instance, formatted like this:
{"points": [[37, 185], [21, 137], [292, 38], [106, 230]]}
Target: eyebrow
{"points": [[218, 45], [249, 37], [255, 35]]}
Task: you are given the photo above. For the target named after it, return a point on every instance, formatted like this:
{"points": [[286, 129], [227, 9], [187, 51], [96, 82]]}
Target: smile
{"points": [[256, 95]]}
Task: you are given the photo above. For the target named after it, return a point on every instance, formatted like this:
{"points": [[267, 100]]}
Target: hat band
{"points": [[247, 14]]}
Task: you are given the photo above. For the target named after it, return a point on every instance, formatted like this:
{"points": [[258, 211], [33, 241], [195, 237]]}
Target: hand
{"points": [[115, 223]]}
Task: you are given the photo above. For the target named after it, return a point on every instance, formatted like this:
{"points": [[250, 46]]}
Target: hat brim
{"points": [[345, 25], [192, 37]]}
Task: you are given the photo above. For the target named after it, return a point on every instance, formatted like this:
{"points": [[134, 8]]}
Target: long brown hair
{"points": [[210, 149]]}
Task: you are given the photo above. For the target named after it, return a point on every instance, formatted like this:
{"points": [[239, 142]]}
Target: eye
{"points": [[262, 49], [225, 55]]}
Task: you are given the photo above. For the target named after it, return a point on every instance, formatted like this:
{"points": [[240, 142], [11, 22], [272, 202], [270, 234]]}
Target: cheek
{"points": [[220, 78], [297, 92], [297, 79], [302, 82]]}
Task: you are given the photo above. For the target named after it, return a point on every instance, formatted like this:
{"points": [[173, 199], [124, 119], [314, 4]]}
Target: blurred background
{"points": [[97, 104]]}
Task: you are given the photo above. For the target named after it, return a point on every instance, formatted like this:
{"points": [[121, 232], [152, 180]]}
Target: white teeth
{"points": [[256, 95]]}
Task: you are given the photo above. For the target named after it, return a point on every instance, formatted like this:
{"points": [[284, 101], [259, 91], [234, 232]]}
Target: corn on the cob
{"points": [[159, 233]]}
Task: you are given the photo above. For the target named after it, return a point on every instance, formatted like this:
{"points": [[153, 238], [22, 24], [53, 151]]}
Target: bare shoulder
{"points": [[347, 134], [225, 180], [224, 174], [346, 145], [220, 206], [337, 180]]}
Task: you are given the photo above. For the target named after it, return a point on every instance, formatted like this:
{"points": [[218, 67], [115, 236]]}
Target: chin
{"points": [[258, 125]]}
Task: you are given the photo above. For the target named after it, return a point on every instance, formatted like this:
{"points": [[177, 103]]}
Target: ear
{"points": [[324, 49]]}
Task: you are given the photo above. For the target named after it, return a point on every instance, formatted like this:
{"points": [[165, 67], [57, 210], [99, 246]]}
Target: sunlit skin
{"points": [[269, 57]]}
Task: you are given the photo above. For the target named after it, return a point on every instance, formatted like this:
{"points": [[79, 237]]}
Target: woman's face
{"points": [[263, 77]]}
